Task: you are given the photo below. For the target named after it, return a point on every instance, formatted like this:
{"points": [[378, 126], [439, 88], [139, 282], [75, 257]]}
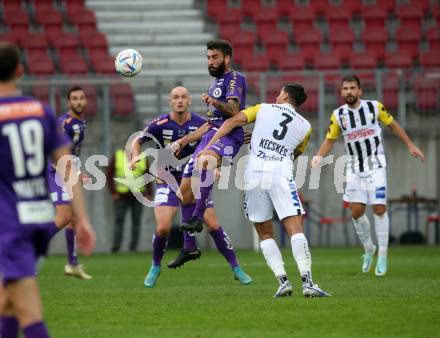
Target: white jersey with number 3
{"points": [[279, 130]]}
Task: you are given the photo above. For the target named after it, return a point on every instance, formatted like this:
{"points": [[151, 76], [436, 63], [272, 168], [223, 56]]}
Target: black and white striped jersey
{"points": [[362, 131]]}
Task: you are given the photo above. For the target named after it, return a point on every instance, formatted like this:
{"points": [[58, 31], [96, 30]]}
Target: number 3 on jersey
{"points": [[26, 139], [279, 135]]}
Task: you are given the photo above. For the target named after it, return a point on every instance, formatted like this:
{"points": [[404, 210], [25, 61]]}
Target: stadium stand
{"points": [[60, 38]]}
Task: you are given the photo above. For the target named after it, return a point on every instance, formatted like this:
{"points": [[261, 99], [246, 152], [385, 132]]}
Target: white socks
{"points": [[273, 256], [301, 253], [381, 223], [362, 227]]}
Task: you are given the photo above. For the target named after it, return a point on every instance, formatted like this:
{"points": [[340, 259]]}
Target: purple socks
{"points": [[71, 246], [224, 245], [8, 327], [189, 241], [159, 246], [53, 230], [207, 177], [36, 330]]}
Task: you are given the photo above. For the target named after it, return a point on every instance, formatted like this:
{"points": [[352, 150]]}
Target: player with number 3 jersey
{"points": [[280, 135]]}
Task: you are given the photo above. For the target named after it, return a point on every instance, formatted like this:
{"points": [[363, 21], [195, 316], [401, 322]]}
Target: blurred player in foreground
{"points": [[279, 136], [74, 126], [168, 128], [358, 122], [28, 137]]}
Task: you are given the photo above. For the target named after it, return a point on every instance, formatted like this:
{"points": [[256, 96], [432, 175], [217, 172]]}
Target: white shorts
{"points": [[367, 188], [266, 191]]}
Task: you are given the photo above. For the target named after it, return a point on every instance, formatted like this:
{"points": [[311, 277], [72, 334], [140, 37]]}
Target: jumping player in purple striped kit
{"points": [[73, 125], [28, 137], [226, 97], [166, 129]]}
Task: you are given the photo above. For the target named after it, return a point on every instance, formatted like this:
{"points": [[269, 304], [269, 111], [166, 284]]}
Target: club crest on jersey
{"points": [[371, 116], [217, 92], [344, 122], [181, 132]]}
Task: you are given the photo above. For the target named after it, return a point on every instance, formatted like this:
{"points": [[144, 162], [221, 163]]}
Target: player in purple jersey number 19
{"points": [[180, 121], [73, 125], [28, 137]]}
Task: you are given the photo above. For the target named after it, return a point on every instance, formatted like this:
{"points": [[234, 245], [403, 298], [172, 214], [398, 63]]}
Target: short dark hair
{"points": [[9, 60], [296, 92], [74, 89], [224, 46], [351, 78]]}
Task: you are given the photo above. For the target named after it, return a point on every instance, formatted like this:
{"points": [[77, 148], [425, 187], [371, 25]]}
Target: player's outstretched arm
{"points": [[230, 108], [194, 136], [324, 149], [134, 153], [401, 134], [238, 120], [85, 233]]}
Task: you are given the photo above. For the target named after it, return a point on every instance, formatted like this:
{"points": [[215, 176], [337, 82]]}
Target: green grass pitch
{"points": [[203, 300]]}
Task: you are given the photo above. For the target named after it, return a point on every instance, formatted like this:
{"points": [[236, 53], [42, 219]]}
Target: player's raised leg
{"points": [[381, 224], [363, 230], [224, 244]]}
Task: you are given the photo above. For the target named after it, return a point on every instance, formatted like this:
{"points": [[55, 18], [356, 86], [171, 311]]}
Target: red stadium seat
{"points": [[40, 65], [243, 44], [84, 19], [430, 58], [408, 39], [266, 20], [391, 91], [398, 60], [433, 37], [8, 37], [284, 7], [276, 44], [228, 33], [375, 40], [35, 42], [338, 17], [16, 19], [71, 62], [216, 8], [65, 43], [374, 17], [327, 62], [230, 19], [102, 63], [410, 16], [123, 106], [256, 64], [292, 62], [427, 93], [341, 38], [95, 41], [363, 61], [309, 41], [302, 18], [251, 8], [50, 19]]}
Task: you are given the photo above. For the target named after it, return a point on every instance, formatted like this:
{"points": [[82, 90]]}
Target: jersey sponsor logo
{"points": [[35, 212], [261, 154], [274, 146], [20, 110], [217, 93], [360, 134]]}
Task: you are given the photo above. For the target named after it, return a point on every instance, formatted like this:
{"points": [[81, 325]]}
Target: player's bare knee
{"points": [[379, 209], [264, 230], [357, 211], [63, 217], [163, 230]]}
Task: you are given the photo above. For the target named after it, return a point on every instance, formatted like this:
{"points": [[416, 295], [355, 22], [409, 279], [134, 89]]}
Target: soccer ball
{"points": [[128, 62]]}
